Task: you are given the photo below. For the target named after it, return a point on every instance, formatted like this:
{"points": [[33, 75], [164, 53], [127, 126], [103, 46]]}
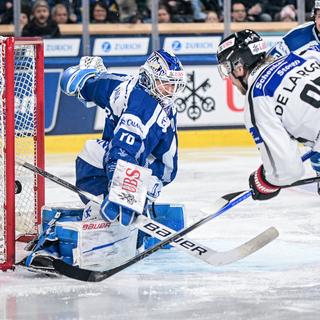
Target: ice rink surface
{"points": [[279, 282]]}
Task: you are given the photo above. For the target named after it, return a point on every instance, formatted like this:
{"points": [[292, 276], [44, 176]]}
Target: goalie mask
{"points": [[162, 75], [245, 48]]}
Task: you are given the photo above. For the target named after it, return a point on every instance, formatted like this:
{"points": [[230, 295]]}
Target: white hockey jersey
{"points": [[282, 109]]}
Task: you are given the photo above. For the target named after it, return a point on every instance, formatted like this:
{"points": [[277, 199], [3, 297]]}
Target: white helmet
{"points": [[160, 69]]}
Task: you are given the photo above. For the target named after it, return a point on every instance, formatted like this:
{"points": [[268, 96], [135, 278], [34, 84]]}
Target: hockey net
{"points": [[21, 138]]}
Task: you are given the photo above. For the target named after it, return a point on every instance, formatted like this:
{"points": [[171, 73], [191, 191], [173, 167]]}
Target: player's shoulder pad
{"points": [[299, 35], [141, 102], [302, 28]]}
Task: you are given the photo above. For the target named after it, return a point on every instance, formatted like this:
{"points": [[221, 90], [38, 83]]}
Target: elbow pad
{"points": [[73, 79]]}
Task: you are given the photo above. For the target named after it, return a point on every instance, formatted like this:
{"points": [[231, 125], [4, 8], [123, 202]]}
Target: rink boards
{"points": [[209, 110], [209, 113]]}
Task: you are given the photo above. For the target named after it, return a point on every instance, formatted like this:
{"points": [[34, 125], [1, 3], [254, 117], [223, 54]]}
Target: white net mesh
{"points": [[25, 146]]}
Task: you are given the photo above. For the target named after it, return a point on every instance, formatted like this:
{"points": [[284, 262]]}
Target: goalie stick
{"points": [[159, 231]]}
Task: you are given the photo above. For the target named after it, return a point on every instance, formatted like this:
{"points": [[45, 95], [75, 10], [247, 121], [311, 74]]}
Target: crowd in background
{"points": [[42, 17]]}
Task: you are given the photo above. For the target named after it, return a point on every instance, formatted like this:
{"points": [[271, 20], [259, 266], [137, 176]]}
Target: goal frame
{"points": [[9, 145]]}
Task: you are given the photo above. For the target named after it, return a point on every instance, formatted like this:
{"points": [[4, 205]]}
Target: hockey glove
{"points": [[112, 211], [261, 188], [92, 62]]}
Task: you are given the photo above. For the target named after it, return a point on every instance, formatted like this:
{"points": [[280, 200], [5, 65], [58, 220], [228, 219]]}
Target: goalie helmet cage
{"points": [[21, 137]]}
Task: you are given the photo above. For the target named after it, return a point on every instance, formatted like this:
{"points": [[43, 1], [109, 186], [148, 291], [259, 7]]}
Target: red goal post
{"points": [[21, 137]]}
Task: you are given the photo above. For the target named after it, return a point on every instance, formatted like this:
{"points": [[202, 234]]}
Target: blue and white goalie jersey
{"points": [[283, 107], [298, 39], [137, 128]]}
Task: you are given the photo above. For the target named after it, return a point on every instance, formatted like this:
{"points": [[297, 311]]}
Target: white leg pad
{"points": [[96, 244]]}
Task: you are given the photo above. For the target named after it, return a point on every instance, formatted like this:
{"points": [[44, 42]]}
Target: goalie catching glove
{"points": [[74, 78], [261, 188]]}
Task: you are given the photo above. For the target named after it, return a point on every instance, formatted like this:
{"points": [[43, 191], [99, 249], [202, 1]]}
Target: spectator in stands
{"points": [[274, 7], [74, 9], [5, 6], [113, 11], [238, 12], [101, 14], [256, 10], [164, 15], [59, 14], [202, 7], [24, 16], [7, 17], [135, 18], [212, 17], [128, 9], [287, 14], [41, 23], [181, 10], [144, 9]]}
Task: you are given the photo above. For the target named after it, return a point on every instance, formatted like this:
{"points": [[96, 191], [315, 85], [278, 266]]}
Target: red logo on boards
{"points": [[230, 97]]}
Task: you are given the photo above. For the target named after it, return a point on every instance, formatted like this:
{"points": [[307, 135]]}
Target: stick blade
{"points": [[85, 274], [69, 271], [246, 249]]}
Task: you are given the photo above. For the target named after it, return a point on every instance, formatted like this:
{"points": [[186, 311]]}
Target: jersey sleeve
{"points": [[298, 40], [99, 89], [280, 49], [279, 152], [164, 161]]}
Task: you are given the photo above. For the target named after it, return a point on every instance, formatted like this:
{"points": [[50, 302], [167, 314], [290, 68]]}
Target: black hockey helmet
{"points": [[245, 47]]}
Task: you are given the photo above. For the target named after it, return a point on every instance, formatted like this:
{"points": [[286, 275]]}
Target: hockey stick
{"points": [[255, 243], [247, 194], [224, 257], [159, 231]]}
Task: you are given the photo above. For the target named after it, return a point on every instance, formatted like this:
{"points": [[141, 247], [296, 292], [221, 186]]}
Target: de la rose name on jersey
{"points": [[282, 97]]}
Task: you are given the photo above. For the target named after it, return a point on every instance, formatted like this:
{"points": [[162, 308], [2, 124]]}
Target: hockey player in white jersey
{"points": [[281, 107], [299, 39], [140, 129]]}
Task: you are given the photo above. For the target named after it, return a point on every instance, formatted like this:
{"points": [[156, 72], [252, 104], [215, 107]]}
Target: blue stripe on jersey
{"points": [[106, 82], [256, 135], [271, 77]]}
